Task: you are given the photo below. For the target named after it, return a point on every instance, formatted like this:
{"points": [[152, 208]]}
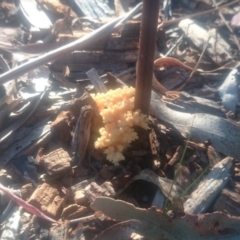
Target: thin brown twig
{"points": [[195, 67]]}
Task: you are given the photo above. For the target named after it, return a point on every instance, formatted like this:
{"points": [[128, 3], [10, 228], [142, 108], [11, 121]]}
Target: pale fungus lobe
{"points": [[119, 118]]}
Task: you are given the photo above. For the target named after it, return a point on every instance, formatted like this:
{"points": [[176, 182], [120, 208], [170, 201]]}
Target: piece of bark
{"points": [[49, 199], [26, 191], [81, 185], [80, 198], [55, 7], [228, 202], [236, 187], [213, 156], [67, 179], [131, 30], [236, 172], [56, 162], [83, 128], [97, 57], [114, 43], [175, 158], [61, 126], [182, 176], [218, 49], [77, 192], [60, 231], [198, 146], [92, 191], [119, 231], [154, 144], [209, 188], [73, 211], [91, 8]]}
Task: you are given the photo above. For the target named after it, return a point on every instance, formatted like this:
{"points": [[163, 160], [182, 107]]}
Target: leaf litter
{"points": [[180, 177]]}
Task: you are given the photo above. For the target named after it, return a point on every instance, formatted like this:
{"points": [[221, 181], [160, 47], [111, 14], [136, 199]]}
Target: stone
{"points": [[62, 126]]}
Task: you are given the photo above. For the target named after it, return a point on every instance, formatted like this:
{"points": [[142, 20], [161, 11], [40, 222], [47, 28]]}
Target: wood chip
{"points": [[56, 162], [228, 202], [92, 191], [49, 199], [73, 211]]}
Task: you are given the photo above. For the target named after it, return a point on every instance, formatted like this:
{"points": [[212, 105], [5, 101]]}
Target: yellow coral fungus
{"points": [[116, 109]]}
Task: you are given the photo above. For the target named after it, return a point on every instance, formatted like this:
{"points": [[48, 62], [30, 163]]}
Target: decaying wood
{"points": [[60, 232], [94, 9], [182, 176], [49, 199], [209, 188], [122, 230], [176, 157], [228, 202], [105, 61], [93, 190], [56, 162], [73, 211], [213, 156], [86, 116]]}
